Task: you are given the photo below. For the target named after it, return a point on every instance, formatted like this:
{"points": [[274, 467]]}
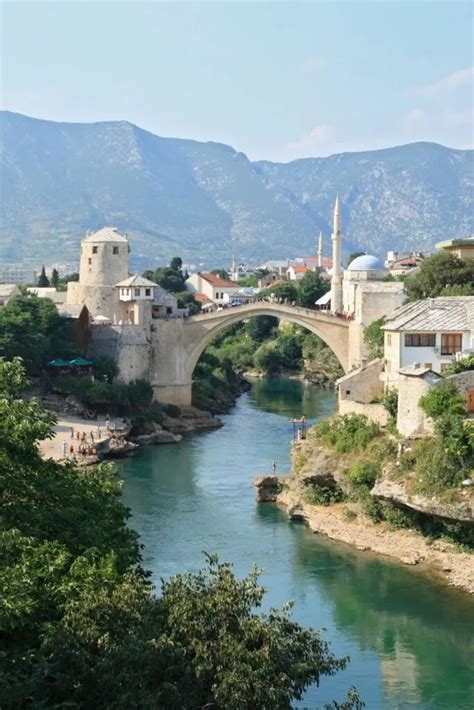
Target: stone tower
{"points": [[320, 250], [336, 279], [103, 264]]}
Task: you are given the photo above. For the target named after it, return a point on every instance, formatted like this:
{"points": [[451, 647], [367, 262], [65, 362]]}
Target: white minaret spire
{"points": [[336, 279], [320, 250]]}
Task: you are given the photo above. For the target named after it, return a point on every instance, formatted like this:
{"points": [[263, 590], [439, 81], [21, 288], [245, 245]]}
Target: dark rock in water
{"points": [[267, 488]]}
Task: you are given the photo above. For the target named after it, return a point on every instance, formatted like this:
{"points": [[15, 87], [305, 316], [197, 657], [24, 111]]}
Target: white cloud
{"points": [[313, 144], [439, 89]]}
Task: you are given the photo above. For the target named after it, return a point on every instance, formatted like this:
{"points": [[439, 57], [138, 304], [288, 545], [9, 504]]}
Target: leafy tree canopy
{"points": [[31, 328], [176, 263], [222, 273], [374, 338], [310, 288], [442, 274], [259, 328]]}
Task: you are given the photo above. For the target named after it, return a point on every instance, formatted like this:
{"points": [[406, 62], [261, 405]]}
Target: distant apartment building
{"points": [[16, 274], [297, 272]]}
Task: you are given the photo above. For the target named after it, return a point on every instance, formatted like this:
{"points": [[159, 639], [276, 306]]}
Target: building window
{"points": [[445, 365], [451, 343], [148, 292], [389, 338], [90, 261], [137, 292], [169, 310], [94, 250], [115, 250], [128, 292], [429, 365], [420, 340]]}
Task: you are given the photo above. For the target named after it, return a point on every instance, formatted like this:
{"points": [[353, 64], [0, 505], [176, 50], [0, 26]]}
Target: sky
{"points": [[276, 80]]}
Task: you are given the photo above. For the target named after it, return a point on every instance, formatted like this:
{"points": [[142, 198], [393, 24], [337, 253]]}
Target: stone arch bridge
{"points": [[178, 344]]}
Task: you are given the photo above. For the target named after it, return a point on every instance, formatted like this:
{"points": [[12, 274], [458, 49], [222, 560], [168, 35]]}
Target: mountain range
{"points": [[207, 202]]}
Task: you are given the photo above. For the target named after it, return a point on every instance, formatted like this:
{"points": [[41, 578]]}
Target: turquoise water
{"points": [[411, 640]]}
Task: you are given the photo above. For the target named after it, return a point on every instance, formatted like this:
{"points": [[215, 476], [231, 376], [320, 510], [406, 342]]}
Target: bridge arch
{"points": [[201, 330]]}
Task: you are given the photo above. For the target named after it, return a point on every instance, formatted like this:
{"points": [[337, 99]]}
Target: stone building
{"points": [[463, 248]]}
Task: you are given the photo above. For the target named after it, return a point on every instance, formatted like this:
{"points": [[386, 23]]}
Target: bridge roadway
{"points": [[182, 342]]}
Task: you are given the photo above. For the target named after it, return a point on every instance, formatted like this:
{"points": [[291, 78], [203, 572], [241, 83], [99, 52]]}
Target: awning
{"points": [[324, 300]]}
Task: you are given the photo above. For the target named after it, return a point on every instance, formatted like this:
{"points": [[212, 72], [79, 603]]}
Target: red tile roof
{"points": [[215, 280], [201, 298], [300, 269]]}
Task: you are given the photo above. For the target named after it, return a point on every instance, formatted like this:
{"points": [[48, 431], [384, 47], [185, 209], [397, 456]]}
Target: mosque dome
{"points": [[366, 262]]}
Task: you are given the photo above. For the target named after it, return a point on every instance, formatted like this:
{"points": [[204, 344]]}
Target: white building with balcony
{"points": [[431, 333]]}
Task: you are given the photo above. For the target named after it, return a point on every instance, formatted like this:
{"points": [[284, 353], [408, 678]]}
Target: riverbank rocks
{"points": [[267, 488], [191, 419], [158, 437], [461, 509]]}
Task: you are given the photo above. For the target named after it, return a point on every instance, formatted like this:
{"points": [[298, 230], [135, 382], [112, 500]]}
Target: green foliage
{"points": [[43, 281], [322, 495], [443, 400], [260, 328], [105, 368], [268, 359], [105, 396], [176, 263], [80, 624], [310, 289], [349, 432], [390, 402], [349, 513], [440, 275], [363, 473], [465, 364], [186, 300], [290, 350], [374, 338], [285, 290], [31, 328], [222, 273]]}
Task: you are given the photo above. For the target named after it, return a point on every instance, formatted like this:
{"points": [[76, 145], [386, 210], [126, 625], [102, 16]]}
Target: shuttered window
{"points": [[451, 343], [420, 340]]}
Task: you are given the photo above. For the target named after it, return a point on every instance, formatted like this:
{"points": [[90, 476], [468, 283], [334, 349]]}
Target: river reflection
{"points": [[410, 640]]}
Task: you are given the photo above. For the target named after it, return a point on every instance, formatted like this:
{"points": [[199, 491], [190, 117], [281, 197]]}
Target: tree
{"points": [[54, 278], [186, 300], [310, 289], [222, 273], [374, 338], [169, 279], [43, 280], [353, 255], [176, 263], [439, 275], [285, 290], [31, 328], [259, 328], [80, 624], [465, 364], [289, 347]]}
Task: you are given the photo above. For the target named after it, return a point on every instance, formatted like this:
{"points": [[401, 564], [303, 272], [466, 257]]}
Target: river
{"points": [[410, 639]]}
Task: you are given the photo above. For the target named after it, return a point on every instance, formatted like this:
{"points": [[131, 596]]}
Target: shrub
{"points": [[105, 368], [323, 495], [398, 518], [443, 400], [374, 337], [390, 402], [350, 514], [465, 364], [364, 473], [438, 471], [347, 432]]}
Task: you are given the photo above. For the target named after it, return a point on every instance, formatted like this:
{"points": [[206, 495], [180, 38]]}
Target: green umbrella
{"points": [[59, 362], [80, 362]]}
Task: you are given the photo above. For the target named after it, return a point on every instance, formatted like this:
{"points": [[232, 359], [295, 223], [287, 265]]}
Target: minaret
{"points": [[336, 279], [320, 250], [233, 269]]}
